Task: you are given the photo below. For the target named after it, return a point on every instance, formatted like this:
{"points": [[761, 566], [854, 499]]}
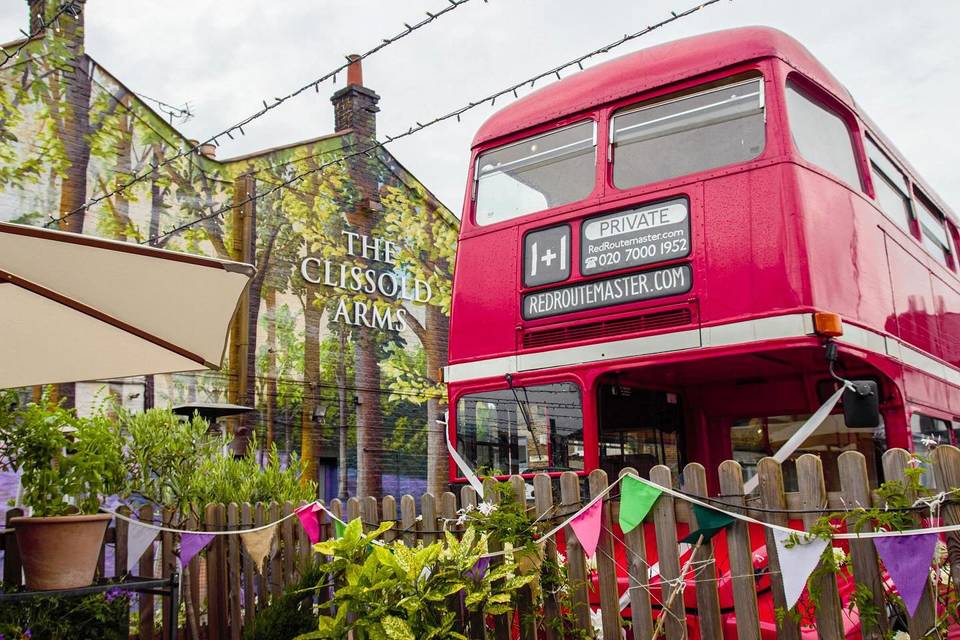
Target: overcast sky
{"points": [[900, 60]]}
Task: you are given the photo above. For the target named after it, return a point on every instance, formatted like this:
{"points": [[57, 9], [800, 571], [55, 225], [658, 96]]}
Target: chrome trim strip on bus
{"points": [[795, 325]]}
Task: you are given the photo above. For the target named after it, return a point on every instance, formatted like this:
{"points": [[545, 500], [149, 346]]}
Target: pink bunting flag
{"points": [[193, 543], [307, 514], [586, 526], [907, 560]]}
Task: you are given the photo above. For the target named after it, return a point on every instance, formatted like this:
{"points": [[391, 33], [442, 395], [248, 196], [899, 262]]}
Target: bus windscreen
{"points": [[538, 173], [680, 136]]}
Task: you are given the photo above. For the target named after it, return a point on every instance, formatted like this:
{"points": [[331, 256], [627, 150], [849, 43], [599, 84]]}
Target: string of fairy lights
{"points": [[238, 128], [67, 8], [489, 99]]}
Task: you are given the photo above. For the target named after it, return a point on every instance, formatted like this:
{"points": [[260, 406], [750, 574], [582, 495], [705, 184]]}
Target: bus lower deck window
{"points": [[680, 136], [522, 430], [538, 173]]}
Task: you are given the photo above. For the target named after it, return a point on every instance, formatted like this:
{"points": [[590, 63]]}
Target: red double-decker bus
{"points": [[653, 250]]}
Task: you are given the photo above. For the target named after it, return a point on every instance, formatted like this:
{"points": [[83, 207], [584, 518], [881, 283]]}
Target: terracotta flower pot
{"points": [[60, 552]]}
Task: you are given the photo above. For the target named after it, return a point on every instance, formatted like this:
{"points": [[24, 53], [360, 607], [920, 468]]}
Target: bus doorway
{"points": [[639, 428]]}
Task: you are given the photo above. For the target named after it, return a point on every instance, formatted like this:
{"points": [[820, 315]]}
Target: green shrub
{"points": [[289, 615], [99, 616], [67, 464]]}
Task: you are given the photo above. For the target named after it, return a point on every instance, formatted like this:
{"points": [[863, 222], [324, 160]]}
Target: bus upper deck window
{"points": [[538, 173], [890, 186], [933, 230], [680, 136], [821, 135]]}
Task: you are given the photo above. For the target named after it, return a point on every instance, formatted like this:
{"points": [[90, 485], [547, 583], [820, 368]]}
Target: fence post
{"points": [[501, 624], [249, 571], [708, 600], [855, 484], [428, 509], [665, 523], [543, 503], [289, 550], [233, 571], [389, 513], [606, 563], [813, 496], [408, 519], [740, 552], [570, 497], [263, 571], [214, 572], [468, 497], [276, 562], [773, 497], [895, 462], [168, 564], [525, 610], [946, 466], [145, 569], [638, 572]]}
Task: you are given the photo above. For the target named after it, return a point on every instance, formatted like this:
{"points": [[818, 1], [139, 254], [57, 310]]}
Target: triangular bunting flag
{"points": [[191, 544], [307, 514], [797, 562], [586, 527], [907, 560], [636, 500], [338, 529], [258, 543], [710, 523], [139, 539]]}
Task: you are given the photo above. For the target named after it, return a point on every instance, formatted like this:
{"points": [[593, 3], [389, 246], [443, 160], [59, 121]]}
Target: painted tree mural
{"points": [[344, 374]]}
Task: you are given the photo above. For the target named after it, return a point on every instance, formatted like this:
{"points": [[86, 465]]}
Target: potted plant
{"points": [[67, 466]]}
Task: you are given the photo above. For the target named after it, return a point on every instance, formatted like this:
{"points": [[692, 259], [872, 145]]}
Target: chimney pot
{"points": [[354, 71]]}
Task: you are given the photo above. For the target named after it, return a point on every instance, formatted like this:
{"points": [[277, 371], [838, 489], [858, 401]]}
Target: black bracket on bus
{"points": [[861, 398]]}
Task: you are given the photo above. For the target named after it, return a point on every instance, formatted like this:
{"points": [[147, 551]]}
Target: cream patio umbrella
{"points": [[76, 308]]}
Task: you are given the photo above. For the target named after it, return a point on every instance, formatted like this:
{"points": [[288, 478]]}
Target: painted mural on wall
{"points": [[347, 318]]}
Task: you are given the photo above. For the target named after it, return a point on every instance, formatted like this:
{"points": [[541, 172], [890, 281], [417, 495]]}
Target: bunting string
{"points": [[157, 527]]}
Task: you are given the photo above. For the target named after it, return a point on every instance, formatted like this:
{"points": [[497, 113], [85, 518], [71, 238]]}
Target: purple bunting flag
{"points": [[193, 543], [907, 559]]}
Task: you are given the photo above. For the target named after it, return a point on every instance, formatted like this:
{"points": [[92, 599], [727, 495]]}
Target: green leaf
{"points": [[397, 629]]}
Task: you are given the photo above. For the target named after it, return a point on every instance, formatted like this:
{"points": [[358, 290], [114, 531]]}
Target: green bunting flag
{"points": [[338, 528], [710, 521], [636, 500]]}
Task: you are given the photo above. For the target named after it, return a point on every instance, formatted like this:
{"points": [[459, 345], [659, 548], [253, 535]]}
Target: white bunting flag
{"points": [[139, 539], [797, 562]]}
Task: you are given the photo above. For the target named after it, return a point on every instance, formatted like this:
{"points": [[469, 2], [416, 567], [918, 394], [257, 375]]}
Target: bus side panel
{"points": [[485, 298], [753, 262], [947, 304], [917, 322], [848, 272]]}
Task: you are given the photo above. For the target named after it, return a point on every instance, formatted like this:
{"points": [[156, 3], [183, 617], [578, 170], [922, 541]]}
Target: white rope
{"points": [[777, 527], [157, 527]]}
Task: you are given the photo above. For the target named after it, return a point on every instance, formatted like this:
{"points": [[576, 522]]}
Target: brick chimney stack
{"points": [[355, 106]]}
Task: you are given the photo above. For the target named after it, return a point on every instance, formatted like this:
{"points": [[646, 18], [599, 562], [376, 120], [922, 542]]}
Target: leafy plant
{"points": [[179, 464], [67, 464], [392, 591], [291, 614], [98, 616]]}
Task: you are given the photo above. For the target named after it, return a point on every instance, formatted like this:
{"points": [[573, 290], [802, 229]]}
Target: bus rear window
{"points": [[523, 430], [538, 173], [680, 136]]}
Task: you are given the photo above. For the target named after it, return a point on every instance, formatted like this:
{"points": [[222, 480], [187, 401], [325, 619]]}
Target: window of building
{"points": [[933, 232], [890, 185], [538, 173], [524, 430], [679, 136], [756, 438], [821, 135], [928, 433]]}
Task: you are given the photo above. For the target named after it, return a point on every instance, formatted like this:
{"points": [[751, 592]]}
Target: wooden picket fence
{"points": [[226, 590]]}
